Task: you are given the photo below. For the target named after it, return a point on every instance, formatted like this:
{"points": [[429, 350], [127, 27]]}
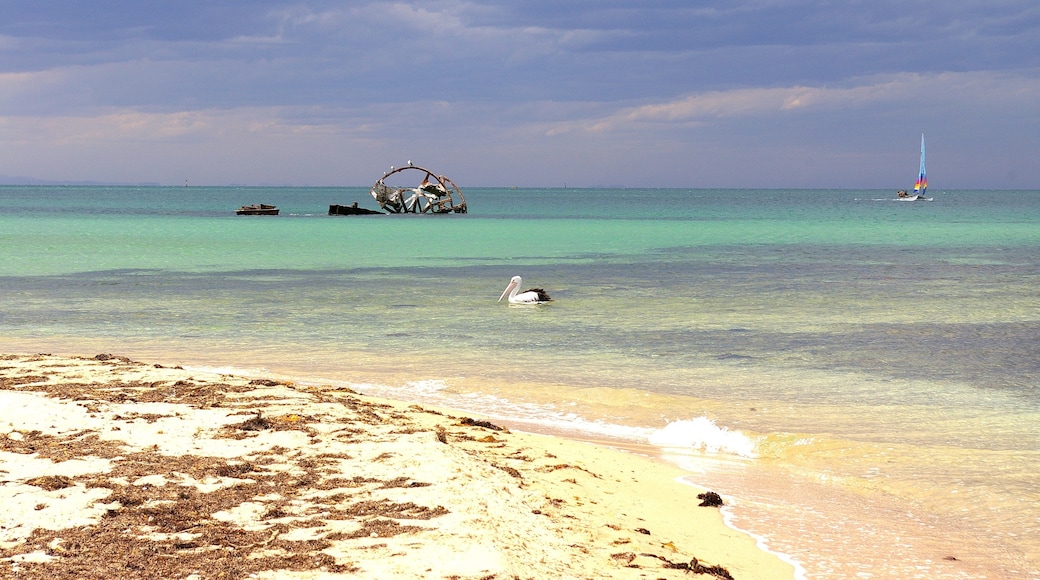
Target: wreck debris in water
{"points": [[435, 194]]}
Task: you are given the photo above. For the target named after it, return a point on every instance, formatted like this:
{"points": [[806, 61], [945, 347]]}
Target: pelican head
{"points": [[514, 283]]}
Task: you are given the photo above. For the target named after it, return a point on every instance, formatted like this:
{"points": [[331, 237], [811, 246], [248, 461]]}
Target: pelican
{"points": [[530, 296], [410, 163]]}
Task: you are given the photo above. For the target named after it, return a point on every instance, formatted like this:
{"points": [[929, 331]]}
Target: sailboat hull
{"points": [[917, 197]]}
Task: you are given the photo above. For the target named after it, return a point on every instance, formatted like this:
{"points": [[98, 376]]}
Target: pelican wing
{"points": [[543, 296], [531, 296]]}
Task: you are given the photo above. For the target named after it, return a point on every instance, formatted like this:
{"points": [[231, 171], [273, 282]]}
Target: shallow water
{"points": [[869, 367]]}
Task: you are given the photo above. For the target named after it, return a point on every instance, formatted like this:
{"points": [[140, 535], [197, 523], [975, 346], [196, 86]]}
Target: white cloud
{"points": [[915, 89]]}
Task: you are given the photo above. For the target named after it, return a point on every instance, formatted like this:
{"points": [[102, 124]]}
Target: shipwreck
{"points": [[435, 194]]}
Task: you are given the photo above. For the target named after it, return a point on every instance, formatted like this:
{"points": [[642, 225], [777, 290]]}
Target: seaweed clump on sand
{"points": [[695, 566], [710, 499], [256, 423], [478, 423]]}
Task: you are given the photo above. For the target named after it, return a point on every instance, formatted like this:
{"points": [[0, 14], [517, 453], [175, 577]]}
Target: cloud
{"points": [[691, 110]]}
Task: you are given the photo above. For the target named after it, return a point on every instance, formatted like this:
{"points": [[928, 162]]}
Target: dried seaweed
{"points": [[511, 471], [9, 382], [694, 566], [478, 423], [167, 527], [169, 530], [257, 423], [51, 482]]}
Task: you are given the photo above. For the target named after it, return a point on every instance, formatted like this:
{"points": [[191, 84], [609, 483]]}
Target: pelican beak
{"points": [[506, 291]]}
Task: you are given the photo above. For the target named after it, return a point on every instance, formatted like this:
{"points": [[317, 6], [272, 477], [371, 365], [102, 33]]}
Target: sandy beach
{"points": [[117, 468]]}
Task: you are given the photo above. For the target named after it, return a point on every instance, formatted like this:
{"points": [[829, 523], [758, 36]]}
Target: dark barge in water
{"points": [[352, 209]]}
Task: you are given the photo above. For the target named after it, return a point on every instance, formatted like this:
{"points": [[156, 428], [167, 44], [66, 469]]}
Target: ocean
{"points": [[858, 376]]}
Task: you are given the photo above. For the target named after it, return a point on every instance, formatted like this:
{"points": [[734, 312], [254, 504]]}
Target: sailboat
{"points": [[922, 183]]}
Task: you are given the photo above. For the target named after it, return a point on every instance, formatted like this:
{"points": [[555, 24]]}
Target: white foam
{"points": [[703, 434]]}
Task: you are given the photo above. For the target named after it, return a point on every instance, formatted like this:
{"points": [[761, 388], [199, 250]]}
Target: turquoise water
{"points": [[864, 371]]}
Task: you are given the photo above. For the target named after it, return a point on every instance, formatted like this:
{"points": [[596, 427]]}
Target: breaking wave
{"points": [[702, 434]]}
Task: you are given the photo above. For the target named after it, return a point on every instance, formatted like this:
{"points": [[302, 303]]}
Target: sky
{"points": [[822, 94]]}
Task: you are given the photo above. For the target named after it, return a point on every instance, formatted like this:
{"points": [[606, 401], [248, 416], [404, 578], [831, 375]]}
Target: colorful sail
{"points": [[922, 179]]}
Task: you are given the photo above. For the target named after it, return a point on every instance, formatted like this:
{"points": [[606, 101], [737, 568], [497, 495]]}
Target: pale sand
{"points": [[113, 468]]}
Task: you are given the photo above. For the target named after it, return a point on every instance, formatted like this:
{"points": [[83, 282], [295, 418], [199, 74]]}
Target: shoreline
{"points": [[208, 470]]}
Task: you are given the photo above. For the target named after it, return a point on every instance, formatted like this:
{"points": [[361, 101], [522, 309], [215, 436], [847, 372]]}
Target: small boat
{"points": [[257, 209], [922, 183]]}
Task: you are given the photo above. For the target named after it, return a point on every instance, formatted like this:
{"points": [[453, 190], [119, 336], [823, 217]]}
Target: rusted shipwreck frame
{"points": [[436, 194]]}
